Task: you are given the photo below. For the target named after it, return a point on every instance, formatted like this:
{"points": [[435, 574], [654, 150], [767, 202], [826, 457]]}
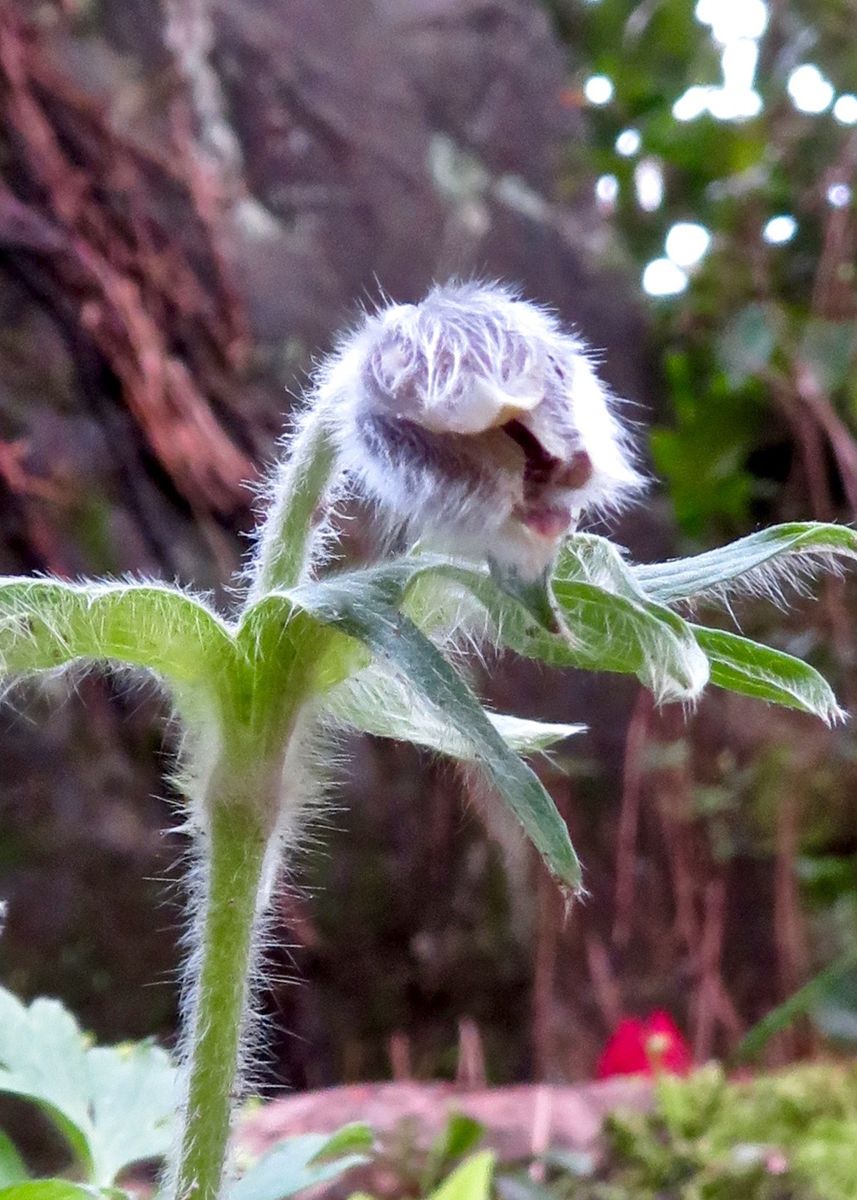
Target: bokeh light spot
{"points": [[598, 89], [809, 90], [686, 243], [663, 278], [780, 229]]}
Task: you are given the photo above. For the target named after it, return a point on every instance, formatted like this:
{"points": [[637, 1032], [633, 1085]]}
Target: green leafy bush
{"points": [[785, 1136]]}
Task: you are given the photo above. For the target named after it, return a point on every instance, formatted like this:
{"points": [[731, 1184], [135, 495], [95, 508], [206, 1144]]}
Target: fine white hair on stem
{"points": [[276, 489], [474, 418], [303, 807]]}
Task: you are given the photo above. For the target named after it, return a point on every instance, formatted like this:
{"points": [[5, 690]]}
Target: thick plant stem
{"points": [[297, 494], [235, 861]]}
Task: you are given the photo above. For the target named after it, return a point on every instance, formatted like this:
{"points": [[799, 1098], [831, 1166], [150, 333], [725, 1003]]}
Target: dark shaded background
{"points": [[193, 198]]}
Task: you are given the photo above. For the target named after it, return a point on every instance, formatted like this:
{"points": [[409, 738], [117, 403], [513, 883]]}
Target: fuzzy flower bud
{"points": [[475, 419]]}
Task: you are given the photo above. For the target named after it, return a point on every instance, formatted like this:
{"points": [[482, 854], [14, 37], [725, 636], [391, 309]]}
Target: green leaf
{"points": [[803, 1001], [47, 623], [113, 1105], [470, 1181], [741, 665], [52, 1189], [748, 342], [43, 1058], [303, 1162], [605, 630], [736, 663], [290, 656], [134, 1096], [614, 633], [376, 702], [670, 663], [748, 562], [611, 626], [12, 1169], [527, 737], [588, 558], [533, 594], [362, 605], [459, 1135], [355, 1138]]}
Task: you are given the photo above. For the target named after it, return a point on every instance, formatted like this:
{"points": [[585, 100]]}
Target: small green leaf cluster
{"points": [[449, 1169], [788, 1135], [784, 1136]]}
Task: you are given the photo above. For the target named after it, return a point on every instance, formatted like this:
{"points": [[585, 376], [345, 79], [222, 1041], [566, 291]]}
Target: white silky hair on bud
{"points": [[473, 418]]}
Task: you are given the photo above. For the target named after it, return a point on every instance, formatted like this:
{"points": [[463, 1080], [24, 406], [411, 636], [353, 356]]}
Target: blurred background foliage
{"points": [[193, 198]]}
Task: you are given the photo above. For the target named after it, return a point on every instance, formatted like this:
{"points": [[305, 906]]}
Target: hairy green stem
{"points": [[285, 540], [241, 808], [237, 842]]}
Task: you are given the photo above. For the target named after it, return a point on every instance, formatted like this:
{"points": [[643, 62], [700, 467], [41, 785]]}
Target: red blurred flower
{"points": [[645, 1046]]}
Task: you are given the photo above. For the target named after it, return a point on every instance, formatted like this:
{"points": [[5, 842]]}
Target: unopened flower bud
{"points": [[476, 419]]}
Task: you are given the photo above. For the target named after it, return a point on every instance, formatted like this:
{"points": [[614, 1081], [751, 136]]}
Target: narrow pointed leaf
{"points": [[526, 736], [621, 634], [366, 611], [48, 623], [736, 663], [459, 1136], [741, 665], [383, 705], [757, 562], [667, 645], [607, 628], [804, 1000]]}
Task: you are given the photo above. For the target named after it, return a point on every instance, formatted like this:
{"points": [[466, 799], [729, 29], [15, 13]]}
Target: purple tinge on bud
{"points": [[475, 418]]}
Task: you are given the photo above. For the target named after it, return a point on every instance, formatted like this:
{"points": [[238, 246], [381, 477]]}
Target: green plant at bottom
{"points": [[784, 1136], [115, 1108]]}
